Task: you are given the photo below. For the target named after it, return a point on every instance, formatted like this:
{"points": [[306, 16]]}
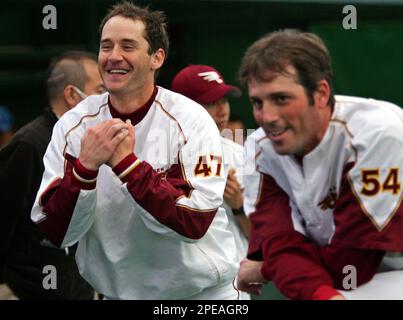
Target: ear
{"points": [[71, 97], [322, 93], [157, 59]]}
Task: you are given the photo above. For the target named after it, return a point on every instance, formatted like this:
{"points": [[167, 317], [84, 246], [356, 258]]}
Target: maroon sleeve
{"points": [[299, 268], [60, 197], [158, 195]]}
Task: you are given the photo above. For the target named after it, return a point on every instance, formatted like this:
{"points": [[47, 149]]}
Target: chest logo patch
{"points": [[329, 201]]}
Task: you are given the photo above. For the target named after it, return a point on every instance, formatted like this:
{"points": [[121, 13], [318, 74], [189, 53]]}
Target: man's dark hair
{"points": [[304, 51], [67, 69], [154, 21]]}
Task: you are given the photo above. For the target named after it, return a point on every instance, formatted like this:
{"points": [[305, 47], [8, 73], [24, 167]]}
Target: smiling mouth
{"points": [[117, 71], [276, 132]]}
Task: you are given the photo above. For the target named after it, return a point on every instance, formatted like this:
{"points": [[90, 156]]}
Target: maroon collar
{"points": [[136, 116]]}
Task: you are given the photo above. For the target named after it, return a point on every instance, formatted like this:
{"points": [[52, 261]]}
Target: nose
{"points": [[115, 55], [222, 108], [269, 113]]}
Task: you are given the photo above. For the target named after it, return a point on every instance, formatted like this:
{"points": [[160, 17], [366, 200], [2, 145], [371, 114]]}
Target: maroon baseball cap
{"points": [[203, 84]]}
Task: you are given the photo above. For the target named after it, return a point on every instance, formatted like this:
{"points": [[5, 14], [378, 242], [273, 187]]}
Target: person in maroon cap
{"points": [[206, 86]]}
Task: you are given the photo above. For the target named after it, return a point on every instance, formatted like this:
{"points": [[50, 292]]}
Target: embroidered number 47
{"points": [[372, 184], [203, 166]]}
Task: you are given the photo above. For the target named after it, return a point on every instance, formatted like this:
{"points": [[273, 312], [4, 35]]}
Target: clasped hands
{"points": [[108, 143]]}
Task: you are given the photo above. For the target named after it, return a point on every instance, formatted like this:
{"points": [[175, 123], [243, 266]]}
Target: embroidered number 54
{"points": [[372, 184]]}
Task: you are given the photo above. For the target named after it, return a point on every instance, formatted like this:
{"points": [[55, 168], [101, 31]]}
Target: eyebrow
{"points": [[272, 95], [279, 93], [122, 40], [129, 40]]}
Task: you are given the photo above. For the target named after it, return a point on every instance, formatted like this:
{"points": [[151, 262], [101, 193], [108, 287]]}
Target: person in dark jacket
{"points": [[25, 256]]}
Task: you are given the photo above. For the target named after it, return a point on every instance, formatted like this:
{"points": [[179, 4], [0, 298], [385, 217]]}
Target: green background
{"points": [[367, 61]]}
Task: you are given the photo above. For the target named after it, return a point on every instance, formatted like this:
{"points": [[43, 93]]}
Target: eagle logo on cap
{"points": [[211, 76]]}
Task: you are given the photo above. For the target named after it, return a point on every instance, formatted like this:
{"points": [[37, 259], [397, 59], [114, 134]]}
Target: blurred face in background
{"points": [[94, 84], [220, 112]]}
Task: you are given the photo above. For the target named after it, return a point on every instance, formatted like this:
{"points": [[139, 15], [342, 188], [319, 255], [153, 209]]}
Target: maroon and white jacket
{"points": [[341, 206], [151, 227]]}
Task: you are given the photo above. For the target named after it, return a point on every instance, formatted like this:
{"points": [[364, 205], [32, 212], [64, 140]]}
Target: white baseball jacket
{"points": [[151, 227], [341, 205]]}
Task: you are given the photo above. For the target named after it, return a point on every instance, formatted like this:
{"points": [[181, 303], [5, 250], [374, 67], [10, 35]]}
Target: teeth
{"points": [[120, 71], [276, 133]]}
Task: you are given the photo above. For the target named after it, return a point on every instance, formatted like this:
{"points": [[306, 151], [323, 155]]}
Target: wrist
{"points": [[83, 177], [88, 165], [124, 168], [115, 161], [238, 212]]}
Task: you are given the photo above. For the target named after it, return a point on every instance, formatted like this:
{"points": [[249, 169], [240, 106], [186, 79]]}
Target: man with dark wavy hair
{"points": [[330, 169], [135, 176]]}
